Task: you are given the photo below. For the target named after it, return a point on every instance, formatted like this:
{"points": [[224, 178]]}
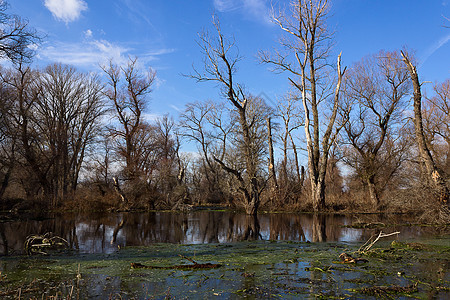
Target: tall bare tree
{"points": [[22, 82], [8, 137], [55, 116], [374, 93], [68, 111], [127, 91], [433, 173], [307, 46], [220, 66]]}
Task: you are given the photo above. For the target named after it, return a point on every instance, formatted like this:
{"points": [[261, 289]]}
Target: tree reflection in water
{"points": [[104, 233], [252, 230], [319, 228]]}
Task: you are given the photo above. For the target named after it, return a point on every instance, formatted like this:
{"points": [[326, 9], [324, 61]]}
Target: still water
{"points": [[105, 233]]}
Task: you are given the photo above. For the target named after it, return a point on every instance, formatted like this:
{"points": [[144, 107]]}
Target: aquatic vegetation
{"points": [[255, 269]]}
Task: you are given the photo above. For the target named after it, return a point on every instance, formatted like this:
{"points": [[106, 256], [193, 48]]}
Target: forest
{"points": [[373, 139]]}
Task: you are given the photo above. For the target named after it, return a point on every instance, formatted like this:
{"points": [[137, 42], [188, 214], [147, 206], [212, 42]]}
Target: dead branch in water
{"points": [[38, 243], [194, 265], [370, 242]]}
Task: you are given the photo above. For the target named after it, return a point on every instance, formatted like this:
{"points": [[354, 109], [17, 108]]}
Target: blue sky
{"points": [[162, 34]]}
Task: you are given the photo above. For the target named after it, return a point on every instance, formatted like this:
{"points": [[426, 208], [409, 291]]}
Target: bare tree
{"points": [[8, 138], [219, 66], [307, 47], [436, 113], [166, 157], [24, 91], [16, 37], [127, 92], [291, 183], [54, 116], [100, 163], [434, 174], [68, 111], [207, 124], [374, 90]]}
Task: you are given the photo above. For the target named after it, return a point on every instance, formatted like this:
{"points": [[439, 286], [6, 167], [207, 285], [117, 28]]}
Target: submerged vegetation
{"points": [[248, 269]]}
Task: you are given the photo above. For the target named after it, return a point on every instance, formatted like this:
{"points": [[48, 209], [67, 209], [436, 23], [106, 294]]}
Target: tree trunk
{"points": [[283, 172], [251, 206], [433, 172], [373, 194], [271, 158], [123, 198], [318, 194], [5, 181], [297, 166], [302, 177]]}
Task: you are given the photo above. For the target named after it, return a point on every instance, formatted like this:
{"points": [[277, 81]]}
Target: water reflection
{"points": [[105, 233]]}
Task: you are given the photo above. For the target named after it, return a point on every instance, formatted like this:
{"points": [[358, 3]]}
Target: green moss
{"points": [[250, 269]]}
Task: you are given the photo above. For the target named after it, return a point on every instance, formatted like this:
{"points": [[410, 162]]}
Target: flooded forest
{"points": [[364, 138], [338, 189]]}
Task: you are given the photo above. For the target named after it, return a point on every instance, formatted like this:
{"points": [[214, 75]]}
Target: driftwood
{"points": [[36, 244], [194, 266]]}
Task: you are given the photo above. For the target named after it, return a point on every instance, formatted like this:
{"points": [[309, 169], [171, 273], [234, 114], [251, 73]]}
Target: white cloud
{"points": [[86, 54], [90, 53], [33, 47], [254, 9], [66, 10], [138, 12], [435, 47], [178, 109], [226, 5], [88, 33], [258, 8]]}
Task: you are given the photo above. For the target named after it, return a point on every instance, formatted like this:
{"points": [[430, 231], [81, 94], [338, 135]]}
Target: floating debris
{"points": [[39, 244]]}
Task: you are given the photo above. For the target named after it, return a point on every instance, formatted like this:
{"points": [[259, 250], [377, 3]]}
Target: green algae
{"points": [[251, 269]]}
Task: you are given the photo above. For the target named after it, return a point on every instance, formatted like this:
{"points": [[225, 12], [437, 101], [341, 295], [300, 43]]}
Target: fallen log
{"points": [[193, 266]]}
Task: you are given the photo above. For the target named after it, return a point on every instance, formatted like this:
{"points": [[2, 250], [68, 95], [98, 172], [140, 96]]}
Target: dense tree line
{"points": [[71, 139]]}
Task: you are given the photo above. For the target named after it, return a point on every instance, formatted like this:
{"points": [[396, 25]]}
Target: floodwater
{"points": [[106, 232], [280, 256]]}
